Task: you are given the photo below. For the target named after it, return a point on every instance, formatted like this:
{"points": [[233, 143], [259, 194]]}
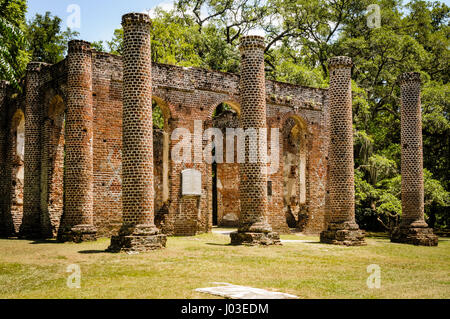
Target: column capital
{"points": [[136, 18], [340, 62], [252, 42], [79, 46], [409, 77], [36, 66]]}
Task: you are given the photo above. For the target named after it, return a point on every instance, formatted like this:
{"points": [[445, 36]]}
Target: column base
{"points": [[30, 231], [255, 239], [345, 234], [137, 240], [415, 236], [79, 234], [29, 235]]}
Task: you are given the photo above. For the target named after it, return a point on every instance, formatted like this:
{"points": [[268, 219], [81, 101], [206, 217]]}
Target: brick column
{"points": [[3, 184], [342, 228], [413, 228], [77, 223], [31, 222], [138, 232], [253, 226]]}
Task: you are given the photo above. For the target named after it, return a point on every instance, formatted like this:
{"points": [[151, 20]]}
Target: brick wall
{"points": [[185, 95], [30, 226]]}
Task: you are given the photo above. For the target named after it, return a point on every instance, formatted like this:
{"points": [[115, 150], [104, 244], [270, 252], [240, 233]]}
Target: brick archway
{"points": [[52, 165], [225, 176], [15, 172], [232, 102], [295, 170]]}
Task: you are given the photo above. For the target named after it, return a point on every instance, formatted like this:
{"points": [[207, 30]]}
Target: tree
{"points": [[13, 55], [47, 42]]}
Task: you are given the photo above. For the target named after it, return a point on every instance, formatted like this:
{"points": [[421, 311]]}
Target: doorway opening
{"points": [[225, 176], [294, 172]]}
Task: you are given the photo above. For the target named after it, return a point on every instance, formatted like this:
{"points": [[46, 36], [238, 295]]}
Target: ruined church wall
{"points": [[187, 94]]}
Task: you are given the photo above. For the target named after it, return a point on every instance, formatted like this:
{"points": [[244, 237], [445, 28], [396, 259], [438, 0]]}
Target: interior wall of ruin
{"points": [[187, 95]]}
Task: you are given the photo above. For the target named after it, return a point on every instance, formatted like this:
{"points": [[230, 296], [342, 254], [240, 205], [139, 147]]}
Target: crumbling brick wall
{"points": [[187, 94], [228, 204]]}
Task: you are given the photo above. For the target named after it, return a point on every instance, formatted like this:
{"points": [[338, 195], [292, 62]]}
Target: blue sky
{"points": [[99, 18]]}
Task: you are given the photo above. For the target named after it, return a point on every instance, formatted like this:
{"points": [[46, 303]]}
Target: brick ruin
{"points": [[138, 231], [65, 173], [413, 228], [253, 176], [342, 228]]}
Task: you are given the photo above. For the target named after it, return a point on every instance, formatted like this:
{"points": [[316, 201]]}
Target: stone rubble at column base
{"points": [[79, 234], [415, 236], [254, 239], [137, 243], [345, 234]]}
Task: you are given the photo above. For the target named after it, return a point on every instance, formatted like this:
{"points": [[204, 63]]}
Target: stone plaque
{"points": [[191, 180]]}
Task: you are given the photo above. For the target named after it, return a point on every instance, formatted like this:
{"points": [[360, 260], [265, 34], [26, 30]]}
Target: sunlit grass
{"points": [[306, 269]]}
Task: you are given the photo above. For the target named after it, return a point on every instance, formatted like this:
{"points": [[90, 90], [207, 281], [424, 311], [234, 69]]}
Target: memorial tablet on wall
{"points": [[191, 180]]}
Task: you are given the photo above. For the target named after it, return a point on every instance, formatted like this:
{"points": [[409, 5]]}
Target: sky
{"points": [[98, 18]]}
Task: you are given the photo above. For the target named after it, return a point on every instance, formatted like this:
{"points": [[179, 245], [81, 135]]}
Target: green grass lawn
{"points": [[306, 269]]}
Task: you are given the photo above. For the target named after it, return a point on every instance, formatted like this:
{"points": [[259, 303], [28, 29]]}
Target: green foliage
{"points": [[158, 116], [47, 42], [116, 44], [13, 54], [98, 46]]}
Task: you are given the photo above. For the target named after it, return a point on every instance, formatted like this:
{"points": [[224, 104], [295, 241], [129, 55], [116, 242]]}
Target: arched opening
{"points": [[16, 161], [225, 175], [161, 151], [52, 166], [294, 172]]}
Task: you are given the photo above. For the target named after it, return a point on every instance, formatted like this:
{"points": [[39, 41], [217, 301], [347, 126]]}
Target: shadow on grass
{"points": [[310, 242], [377, 235], [94, 252], [45, 241], [223, 245]]}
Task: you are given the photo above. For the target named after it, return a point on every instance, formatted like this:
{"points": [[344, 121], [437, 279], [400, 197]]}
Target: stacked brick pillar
{"points": [[413, 228], [3, 135], [138, 232], [342, 228], [31, 222], [78, 217], [253, 226]]}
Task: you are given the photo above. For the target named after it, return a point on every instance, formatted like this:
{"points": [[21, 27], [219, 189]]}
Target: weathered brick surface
{"points": [[52, 164], [253, 176], [184, 95], [78, 216], [342, 228], [30, 227], [5, 164], [13, 178], [3, 160], [413, 228], [228, 203], [107, 91]]}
